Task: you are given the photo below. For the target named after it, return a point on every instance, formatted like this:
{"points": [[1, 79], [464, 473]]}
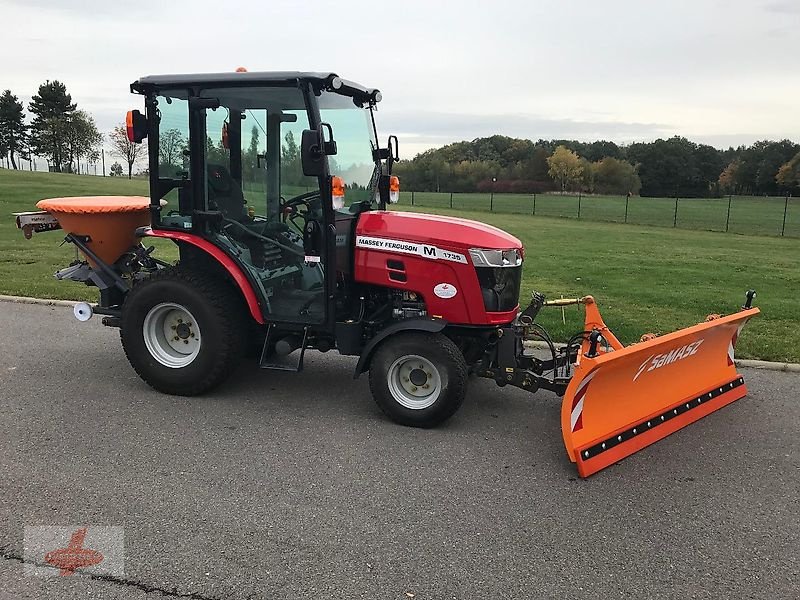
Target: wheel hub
{"points": [[418, 377], [414, 382], [171, 335]]}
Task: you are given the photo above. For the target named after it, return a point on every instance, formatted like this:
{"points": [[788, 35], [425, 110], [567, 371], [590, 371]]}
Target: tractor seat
{"points": [[225, 193]]}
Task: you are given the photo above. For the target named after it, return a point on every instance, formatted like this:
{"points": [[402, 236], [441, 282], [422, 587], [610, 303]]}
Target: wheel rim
{"points": [[171, 335], [414, 382]]}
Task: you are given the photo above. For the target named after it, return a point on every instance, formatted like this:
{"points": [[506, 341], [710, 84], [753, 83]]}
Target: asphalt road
{"points": [[295, 486]]}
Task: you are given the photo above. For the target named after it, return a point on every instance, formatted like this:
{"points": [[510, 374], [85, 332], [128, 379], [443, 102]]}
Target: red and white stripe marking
{"points": [[732, 343], [576, 418]]}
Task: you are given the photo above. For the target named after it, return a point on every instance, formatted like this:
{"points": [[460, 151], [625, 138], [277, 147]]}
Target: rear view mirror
{"points": [[136, 126], [311, 154], [314, 147]]}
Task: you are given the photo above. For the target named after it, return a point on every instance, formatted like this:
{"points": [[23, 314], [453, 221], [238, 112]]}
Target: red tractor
{"points": [[274, 188]]}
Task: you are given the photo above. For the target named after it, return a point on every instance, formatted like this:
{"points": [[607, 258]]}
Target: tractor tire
{"points": [[183, 332], [418, 379]]}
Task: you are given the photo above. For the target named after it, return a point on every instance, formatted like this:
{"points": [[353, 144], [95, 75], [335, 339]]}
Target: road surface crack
{"points": [[8, 554]]}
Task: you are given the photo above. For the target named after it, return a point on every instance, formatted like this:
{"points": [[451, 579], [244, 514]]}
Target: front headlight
{"points": [[495, 258]]}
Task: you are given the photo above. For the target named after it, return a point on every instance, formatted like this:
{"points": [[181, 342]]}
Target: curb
{"points": [[763, 365], [766, 365], [40, 301]]}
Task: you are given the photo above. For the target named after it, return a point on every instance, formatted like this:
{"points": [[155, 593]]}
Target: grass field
{"points": [[748, 215], [644, 278]]}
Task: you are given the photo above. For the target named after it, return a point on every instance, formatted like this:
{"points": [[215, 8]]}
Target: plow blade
{"points": [[627, 398]]}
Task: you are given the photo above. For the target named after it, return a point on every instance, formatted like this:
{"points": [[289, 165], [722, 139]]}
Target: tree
{"points": [[82, 139], [614, 176], [760, 164], [171, 146], [565, 167], [588, 176], [13, 131], [116, 170], [250, 157], [789, 174], [728, 179], [127, 150], [52, 108], [291, 168]]}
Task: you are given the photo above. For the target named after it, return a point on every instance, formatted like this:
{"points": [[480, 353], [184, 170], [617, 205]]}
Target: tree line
{"points": [[63, 134], [664, 167], [59, 132]]}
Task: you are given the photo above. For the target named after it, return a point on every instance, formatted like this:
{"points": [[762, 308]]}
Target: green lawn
{"points": [[644, 278], [748, 214]]}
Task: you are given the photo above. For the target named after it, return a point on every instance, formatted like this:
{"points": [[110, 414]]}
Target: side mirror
{"points": [[311, 154], [136, 126], [314, 147], [391, 154]]}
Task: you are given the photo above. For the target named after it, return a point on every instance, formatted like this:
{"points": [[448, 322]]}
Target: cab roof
{"points": [[247, 78]]}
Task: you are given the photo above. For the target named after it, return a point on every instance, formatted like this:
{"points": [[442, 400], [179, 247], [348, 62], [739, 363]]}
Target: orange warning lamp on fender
{"points": [[337, 191], [394, 189]]}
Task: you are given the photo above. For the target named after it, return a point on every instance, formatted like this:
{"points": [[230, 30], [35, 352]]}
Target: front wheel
{"points": [[418, 379]]}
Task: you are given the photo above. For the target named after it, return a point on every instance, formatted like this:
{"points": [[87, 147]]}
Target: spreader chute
{"points": [[622, 399]]}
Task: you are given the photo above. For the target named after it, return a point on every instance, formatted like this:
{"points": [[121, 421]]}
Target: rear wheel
{"points": [[183, 332], [418, 379]]}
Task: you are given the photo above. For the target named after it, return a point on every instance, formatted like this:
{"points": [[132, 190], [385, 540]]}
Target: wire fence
{"points": [[755, 215], [41, 165]]}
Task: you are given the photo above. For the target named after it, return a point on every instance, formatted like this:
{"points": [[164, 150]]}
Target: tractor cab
{"points": [[262, 166]]}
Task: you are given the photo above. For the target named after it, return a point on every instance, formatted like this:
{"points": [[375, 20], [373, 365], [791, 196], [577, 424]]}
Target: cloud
{"points": [[437, 128], [788, 8]]}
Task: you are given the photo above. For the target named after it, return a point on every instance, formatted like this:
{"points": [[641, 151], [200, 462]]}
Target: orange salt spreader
{"points": [[107, 224]]}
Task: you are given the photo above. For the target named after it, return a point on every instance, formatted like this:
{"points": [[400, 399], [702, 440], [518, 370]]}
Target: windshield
{"points": [[354, 132]]}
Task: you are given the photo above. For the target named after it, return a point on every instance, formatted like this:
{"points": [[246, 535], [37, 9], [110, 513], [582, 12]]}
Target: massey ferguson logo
{"points": [[659, 360]]}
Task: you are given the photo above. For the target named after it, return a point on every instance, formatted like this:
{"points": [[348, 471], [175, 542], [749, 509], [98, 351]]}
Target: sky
{"points": [[718, 72]]}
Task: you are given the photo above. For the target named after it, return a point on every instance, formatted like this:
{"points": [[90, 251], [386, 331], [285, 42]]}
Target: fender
{"points": [[428, 324], [226, 261]]}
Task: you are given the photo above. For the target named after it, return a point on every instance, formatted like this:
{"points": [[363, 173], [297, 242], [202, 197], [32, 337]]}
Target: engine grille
{"points": [[499, 287]]}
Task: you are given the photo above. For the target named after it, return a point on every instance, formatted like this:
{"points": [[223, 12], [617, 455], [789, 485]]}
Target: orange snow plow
{"points": [[621, 399]]}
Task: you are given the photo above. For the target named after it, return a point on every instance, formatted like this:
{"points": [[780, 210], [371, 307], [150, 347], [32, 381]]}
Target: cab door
{"points": [[280, 235]]}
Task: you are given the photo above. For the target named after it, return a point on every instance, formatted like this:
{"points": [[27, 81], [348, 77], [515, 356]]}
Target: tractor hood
{"points": [[436, 230]]}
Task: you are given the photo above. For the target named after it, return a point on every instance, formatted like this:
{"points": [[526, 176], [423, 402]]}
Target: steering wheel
{"points": [[289, 208], [263, 238]]}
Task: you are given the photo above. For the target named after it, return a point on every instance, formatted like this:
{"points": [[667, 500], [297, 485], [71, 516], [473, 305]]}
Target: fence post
{"points": [[627, 199], [579, 205], [728, 218], [534, 204], [785, 209], [451, 199], [675, 218], [412, 198], [491, 202]]}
